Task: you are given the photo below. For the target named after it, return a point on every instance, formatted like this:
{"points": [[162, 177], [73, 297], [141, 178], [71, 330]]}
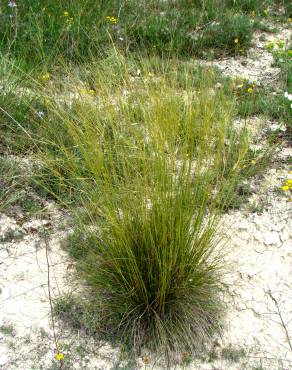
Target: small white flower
{"points": [[12, 4], [288, 96], [40, 114]]}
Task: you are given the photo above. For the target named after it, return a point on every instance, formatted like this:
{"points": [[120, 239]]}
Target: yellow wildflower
{"points": [[91, 91], [59, 356], [45, 76], [253, 161], [285, 187], [66, 14], [236, 41], [112, 20], [288, 183], [250, 90]]}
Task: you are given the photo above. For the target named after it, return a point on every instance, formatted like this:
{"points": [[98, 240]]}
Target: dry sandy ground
{"points": [[258, 333]]}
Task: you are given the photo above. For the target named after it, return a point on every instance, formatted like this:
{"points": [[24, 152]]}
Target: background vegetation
{"points": [[49, 31]]}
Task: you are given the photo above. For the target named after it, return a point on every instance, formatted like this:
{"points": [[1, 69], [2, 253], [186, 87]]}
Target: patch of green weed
{"points": [[230, 35], [7, 329], [232, 354]]}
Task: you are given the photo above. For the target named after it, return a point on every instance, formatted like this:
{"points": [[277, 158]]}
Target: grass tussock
{"points": [[152, 269], [144, 152], [151, 159]]}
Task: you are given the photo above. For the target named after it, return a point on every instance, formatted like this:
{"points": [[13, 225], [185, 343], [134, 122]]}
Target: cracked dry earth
{"points": [[258, 325], [260, 286]]}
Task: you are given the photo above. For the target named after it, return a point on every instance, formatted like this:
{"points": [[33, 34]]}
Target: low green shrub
{"points": [[229, 35]]}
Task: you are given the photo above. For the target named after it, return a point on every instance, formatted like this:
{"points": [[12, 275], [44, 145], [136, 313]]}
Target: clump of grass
{"points": [[152, 263], [150, 157]]}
